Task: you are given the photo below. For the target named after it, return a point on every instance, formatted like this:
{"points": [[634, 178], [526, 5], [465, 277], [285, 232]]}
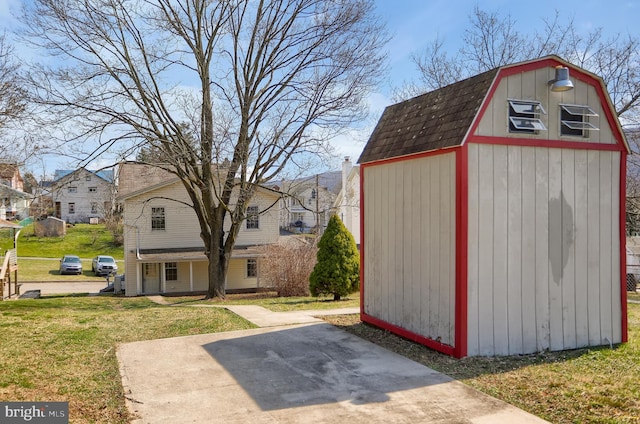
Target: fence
{"points": [[9, 265]]}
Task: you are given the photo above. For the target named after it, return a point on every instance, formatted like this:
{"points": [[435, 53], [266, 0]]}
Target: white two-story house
{"points": [[81, 194], [162, 246], [308, 202]]}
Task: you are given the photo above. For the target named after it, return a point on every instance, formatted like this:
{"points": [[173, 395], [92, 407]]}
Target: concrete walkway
{"points": [[294, 369]]}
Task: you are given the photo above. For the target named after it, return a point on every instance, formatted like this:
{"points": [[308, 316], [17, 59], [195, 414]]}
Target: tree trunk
{"points": [[218, 266]]}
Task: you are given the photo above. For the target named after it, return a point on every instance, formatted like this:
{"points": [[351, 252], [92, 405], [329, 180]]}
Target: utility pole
{"points": [[317, 207]]}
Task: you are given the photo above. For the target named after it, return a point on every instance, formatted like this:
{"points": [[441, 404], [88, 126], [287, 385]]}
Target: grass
{"points": [[84, 240], [596, 385], [270, 301], [63, 348], [49, 270]]}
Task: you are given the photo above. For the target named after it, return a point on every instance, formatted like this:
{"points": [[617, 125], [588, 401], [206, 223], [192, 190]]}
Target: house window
{"points": [[313, 193], [72, 208], [253, 218], [252, 268], [93, 189], [88, 178], [171, 271], [157, 219], [73, 189], [94, 207], [524, 116], [574, 120]]}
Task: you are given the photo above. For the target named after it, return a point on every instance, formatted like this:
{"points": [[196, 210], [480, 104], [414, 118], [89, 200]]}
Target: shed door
{"points": [[150, 278]]}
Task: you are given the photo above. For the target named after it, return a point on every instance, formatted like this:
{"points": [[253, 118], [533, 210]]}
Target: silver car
{"points": [[70, 264], [104, 265]]}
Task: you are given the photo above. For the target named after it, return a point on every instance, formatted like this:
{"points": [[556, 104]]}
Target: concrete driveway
{"points": [[308, 373], [66, 287]]}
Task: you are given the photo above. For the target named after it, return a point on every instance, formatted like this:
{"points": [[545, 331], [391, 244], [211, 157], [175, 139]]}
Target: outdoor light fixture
{"points": [[561, 82]]}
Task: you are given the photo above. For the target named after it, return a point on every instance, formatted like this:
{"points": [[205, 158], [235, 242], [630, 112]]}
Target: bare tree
{"points": [[12, 103], [492, 41], [262, 83]]}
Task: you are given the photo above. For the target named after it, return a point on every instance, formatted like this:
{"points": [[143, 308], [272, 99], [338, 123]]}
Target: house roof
{"points": [[7, 191], [8, 224], [9, 170], [147, 182], [431, 121], [105, 174], [195, 253], [330, 181]]}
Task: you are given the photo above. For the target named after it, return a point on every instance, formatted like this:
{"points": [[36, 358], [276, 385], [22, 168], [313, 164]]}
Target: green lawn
{"points": [[63, 348], [84, 240], [270, 301]]}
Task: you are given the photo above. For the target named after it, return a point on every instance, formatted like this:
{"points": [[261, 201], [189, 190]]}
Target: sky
{"points": [[413, 24]]}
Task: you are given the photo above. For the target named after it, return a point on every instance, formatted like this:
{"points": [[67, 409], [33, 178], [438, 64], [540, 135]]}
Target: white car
{"points": [[104, 265]]}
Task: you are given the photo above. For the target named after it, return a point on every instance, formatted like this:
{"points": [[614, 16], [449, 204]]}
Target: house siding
{"points": [[82, 198], [182, 231], [409, 273], [533, 85], [544, 260]]}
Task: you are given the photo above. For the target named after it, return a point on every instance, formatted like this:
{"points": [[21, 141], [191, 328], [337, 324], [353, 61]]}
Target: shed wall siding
{"points": [[532, 85], [409, 272], [543, 269]]}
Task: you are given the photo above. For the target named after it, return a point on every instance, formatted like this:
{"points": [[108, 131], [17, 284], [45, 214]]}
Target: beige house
{"points": [[163, 249], [493, 214]]}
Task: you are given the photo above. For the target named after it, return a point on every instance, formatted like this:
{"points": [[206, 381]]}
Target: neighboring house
{"points": [[163, 249], [81, 194], [347, 203], [14, 202], [493, 214], [308, 202], [10, 176]]}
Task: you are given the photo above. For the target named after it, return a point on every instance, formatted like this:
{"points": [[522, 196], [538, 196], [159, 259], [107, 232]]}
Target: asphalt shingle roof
{"points": [[431, 121]]}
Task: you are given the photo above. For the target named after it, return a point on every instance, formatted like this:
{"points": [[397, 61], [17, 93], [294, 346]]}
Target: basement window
{"points": [[574, 120], [524, 116]]}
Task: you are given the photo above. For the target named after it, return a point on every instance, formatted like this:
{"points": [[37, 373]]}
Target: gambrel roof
{"points": [[445, 117], [431, 121]]}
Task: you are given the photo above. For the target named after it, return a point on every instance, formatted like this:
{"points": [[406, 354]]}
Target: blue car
{"points": [[70, 264]]}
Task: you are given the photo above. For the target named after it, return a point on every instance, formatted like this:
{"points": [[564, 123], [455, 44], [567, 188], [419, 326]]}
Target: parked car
{"points": [[104, 265], [70, 264]]}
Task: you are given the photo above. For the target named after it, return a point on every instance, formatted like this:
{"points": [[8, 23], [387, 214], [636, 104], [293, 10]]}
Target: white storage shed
{"points": [[492, 214]]}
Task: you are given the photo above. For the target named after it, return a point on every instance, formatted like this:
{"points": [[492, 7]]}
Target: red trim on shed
{"points": [[430, 343], [362, 167], [576, 73], [462, 225], [409, 157], [552, 144], [623, 246]]}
